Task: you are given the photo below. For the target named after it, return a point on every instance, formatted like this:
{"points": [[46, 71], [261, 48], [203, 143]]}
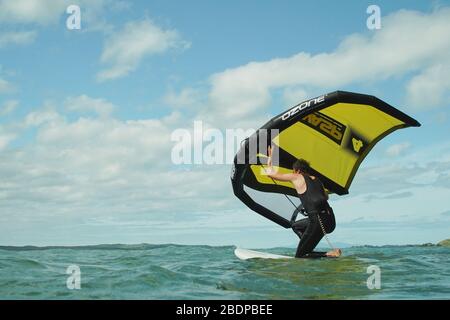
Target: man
{"points": [[314, 199]]}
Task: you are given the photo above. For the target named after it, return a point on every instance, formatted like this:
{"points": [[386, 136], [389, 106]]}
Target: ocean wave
{"points": [[115, 246]]}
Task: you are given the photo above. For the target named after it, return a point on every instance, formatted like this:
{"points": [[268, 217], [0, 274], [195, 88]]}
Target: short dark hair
{"points": [[301, 165]]}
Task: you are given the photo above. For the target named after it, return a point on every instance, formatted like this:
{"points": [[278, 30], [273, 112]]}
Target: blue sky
{"points": [[86, 115]]}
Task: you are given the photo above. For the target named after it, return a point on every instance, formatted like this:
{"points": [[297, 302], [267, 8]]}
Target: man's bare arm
{"points": [[275, 175], [281, 176]]}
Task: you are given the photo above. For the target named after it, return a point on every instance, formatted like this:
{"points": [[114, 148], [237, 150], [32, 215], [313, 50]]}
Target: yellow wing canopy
{"points": [[334, 132]]}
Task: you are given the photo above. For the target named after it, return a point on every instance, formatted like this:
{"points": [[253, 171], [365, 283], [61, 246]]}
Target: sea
{"points": [[169, 271]]}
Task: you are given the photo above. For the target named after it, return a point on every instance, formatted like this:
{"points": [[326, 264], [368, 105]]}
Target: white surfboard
{"points": [[245, 254]]}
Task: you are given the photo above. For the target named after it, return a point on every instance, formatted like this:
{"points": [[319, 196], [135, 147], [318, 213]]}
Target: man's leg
{"points": [[309, 240], [300, 226]]}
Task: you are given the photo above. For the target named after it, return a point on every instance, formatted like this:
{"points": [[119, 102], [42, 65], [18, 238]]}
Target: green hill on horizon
{"points": [[445, 243]]}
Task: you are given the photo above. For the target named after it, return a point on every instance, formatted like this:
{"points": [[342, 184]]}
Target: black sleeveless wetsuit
{"points": [[314, 200]]}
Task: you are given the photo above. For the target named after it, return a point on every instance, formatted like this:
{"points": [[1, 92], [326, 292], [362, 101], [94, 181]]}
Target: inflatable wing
{"points": [[334, 132]]}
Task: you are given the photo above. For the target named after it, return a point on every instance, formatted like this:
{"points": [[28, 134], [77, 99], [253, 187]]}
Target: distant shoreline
{"points": [[141, 246]]}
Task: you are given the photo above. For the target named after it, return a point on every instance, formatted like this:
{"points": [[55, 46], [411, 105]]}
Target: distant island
{"points": [[445, 243]]}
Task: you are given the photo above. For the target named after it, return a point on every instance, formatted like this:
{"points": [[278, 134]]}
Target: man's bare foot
{"points": [[334, 253]]}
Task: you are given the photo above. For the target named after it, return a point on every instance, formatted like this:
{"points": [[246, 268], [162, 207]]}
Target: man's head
{"points": [[301, 166]]}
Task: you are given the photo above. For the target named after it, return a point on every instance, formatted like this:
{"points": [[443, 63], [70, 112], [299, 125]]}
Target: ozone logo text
{"points": [[302, 106]]}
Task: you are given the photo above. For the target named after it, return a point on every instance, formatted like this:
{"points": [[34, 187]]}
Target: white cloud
{"points": [[94, 17], [188, 97], [47, 12], [8, 107], [6, 86], [84, 103], [5, 139], [406, 43], [32, 11], [17, 38], [397, 149], [37, 118], [431, 88], [100, 167], [124, 50], [292, 95]]}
